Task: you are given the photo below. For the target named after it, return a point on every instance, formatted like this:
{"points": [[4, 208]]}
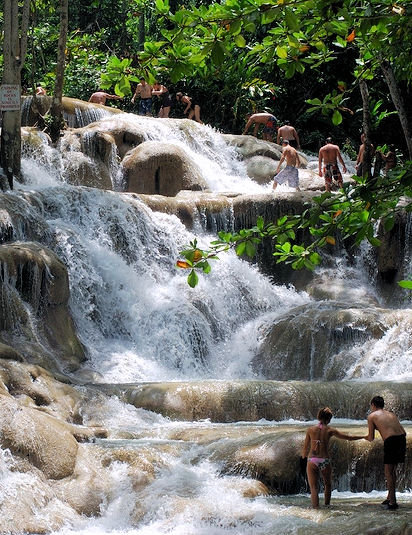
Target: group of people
{"points": [[389, 159], [287, 136], [315, 454], [145, 92]]}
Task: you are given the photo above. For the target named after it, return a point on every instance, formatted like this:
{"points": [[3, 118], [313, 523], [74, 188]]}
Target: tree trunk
{"points": [[56, 107], [142, 31], [366, 125], [398, 102], [14, 53]]}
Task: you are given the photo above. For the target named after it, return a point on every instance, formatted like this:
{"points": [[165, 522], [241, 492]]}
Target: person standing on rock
{"points": [[289, 133], [257, 119], [166, 102], [290, 173], [394, 444], [330, 154], [144, 91], [317, 460], [100, 97], [359, 165], [192, 107]]}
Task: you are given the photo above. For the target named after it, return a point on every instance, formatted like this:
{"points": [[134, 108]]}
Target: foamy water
{"points": [[140, 321]]}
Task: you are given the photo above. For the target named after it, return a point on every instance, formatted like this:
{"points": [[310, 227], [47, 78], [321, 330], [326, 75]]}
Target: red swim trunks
{"points": [[331, 172]]}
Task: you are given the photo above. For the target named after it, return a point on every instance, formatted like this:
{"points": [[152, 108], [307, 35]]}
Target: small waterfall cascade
{"points": [[189, 406]]}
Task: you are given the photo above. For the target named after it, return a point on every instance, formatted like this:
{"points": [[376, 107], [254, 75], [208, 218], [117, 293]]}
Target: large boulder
{"points": [[160, 168], [43, 440], [34, 285], [335, 334], [261, 157]]}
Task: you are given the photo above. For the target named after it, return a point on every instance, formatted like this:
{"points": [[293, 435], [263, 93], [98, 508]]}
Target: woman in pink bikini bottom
{"points": [[317, 441]]}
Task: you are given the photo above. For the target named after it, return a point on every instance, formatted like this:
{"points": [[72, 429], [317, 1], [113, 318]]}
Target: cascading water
{"points": [[141, 323]]}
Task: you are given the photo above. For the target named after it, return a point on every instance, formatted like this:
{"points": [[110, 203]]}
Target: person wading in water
{"points": [[318, 461]]}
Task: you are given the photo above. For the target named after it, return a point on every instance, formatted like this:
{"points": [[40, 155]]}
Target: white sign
{"points": [[9, 97]]}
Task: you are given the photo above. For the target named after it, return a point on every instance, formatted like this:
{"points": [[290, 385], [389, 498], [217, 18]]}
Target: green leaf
{"points": [[405, 284], [218, 53], [240, 249], [281, 52], [240, 41], [389, 223], [374, 241], [250, 249], [337, 117], [192, 279], [235, 27], [291, 20]]}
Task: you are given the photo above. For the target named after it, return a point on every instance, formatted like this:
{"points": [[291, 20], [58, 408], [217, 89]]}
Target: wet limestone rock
{"points": [[261, 157], [42, 439], [160, 168], [330, 329], [33, 275]]}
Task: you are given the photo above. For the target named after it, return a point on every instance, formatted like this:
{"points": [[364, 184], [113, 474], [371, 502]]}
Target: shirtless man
{"points": [[289, 133], [359, 159], [267, 119], [394, 444], [144, 91], [330, 154], [100, 97], [40, 90], [318, 461], [166, 102], [290, 172]]}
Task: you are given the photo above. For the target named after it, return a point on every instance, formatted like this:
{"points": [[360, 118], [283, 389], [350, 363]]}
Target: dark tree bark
{"points": [[398, 102], [366, 125], [14, 54], [57, 107]]}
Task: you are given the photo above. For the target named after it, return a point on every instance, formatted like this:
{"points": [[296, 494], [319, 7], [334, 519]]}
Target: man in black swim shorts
{"points": [[394, 444]]}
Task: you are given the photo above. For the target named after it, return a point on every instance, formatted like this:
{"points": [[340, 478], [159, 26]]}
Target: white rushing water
{"points": [[134, 310], [140, 321]]}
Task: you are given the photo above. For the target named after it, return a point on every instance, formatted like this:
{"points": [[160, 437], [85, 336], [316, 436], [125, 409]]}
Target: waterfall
{"points": [[205, 393]]}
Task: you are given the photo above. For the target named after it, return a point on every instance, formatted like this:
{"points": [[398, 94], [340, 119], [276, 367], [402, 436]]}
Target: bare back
{"points": [[319, 440], [329, 153], [98, 98], [386, 423], [287, 132]]}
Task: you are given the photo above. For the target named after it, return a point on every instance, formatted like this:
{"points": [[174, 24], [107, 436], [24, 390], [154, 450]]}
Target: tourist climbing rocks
{"points": [[360, 160], [257, 119], [290, 173], [166, 102], [144, 92], [389, 158], [192, 107], [318, 460], [286, 131], [329, 154], [100, 97], [394, 444]]}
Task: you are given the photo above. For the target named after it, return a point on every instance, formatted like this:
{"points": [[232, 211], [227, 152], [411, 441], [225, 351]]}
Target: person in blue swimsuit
{"points": [[318, 460]]}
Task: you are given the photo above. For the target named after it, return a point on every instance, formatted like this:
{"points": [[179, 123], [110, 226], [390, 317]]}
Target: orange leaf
{"points": [[304, 48], [197, 255], [182, 264], [351, 36], [336, 214], [330, 239], [368, 205]]}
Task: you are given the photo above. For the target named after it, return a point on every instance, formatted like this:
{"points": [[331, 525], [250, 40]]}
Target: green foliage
{"points": [[118, 75], [352, 213]]}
